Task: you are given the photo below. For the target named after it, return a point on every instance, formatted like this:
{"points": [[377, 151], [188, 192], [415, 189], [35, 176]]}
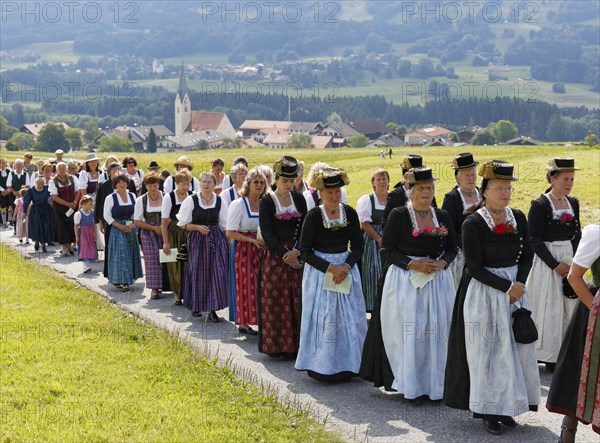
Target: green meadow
{"points": [[76, 368]]}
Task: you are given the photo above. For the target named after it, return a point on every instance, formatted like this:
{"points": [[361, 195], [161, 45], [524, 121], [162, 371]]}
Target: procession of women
{"points": [[462, 303]]}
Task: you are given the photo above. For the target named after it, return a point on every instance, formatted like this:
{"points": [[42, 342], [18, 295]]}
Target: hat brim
{"points": [[429, 180], [472, 165], [190, 167], [564, 169], [92, 159]]}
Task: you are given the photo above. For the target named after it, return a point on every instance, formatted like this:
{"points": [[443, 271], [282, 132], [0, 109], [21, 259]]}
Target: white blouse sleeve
{"points": [[83, 180], [223, 214], [138, 212], [234, 216], [588, 250], [168, 185], [166, 206], [76, 183], [310, 202], [142, 175], [344, 196], [77, 218], [185, 211], [364, 209], [108, 205], [51, 187], [196, 185]]}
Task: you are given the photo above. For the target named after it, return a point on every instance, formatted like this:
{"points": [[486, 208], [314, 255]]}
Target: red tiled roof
{"points": [[205, 121]]}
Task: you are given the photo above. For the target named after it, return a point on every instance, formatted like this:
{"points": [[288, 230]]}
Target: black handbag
{"points": [[568, 289], [182, 254], [524, 327]]}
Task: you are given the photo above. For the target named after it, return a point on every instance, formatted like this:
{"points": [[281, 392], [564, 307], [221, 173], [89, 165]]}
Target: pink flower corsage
{"points": [[436, 232], [470, 210], [288, 215], [566, 218]]}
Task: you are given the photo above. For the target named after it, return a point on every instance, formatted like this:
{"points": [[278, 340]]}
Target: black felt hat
{"points": [[463, 160], [561, 164], [286, 167], [497, 170], [153, 165], [411, 161], [419, 175]]}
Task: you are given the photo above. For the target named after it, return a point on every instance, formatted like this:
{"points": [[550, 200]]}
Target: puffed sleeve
{"points": [[83, 179], [77, 218], [168, 185], [451, 247], [138, 213], [473, 245], [344, 198], [453, 207], [52, 188], [364, 209], [391, 238], [589, 247], [357, 242], [310, 229], [185, 211], [234, 216], [223, 214], [526, 257], [310, 201], [267, 231], [537, 223], [396, 199], [166, 206], [76, 183], [108, 205]]}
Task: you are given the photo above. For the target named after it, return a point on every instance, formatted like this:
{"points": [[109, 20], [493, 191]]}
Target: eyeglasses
{"points": [[502, 189], [130, 163], [258, 182]]}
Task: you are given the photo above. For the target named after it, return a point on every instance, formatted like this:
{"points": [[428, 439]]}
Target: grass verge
{"points": [[75, 368]]}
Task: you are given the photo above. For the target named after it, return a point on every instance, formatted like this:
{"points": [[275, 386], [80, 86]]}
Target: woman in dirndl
{"points": [[174, 237], [64, 189], [90, 177], [575, 388], [239, 171], [461, 202], [333, 324], [242, 225], [204, 216], [370, 209], [555, 233], [411, 321], [39, 220], [281, 216], [147, 216], [124, 259], [488, 371]]}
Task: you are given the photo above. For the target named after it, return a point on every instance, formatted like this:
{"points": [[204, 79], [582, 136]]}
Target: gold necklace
{"points": [[496, 211], [555, 197]]}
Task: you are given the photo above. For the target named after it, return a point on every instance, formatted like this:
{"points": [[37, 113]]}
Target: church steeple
{"points": [[182, 87], [183, 105]]}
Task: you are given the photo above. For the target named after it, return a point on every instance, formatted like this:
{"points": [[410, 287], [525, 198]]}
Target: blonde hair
{"points": [[253, 174], [380, 171], [208, 174]]}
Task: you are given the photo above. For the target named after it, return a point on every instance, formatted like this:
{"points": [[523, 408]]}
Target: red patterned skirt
{"points": [[247, 260], [588, 402], [279, 305]]}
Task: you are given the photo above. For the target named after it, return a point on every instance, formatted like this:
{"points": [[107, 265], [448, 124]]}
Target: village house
{"points": [[427, 136]]}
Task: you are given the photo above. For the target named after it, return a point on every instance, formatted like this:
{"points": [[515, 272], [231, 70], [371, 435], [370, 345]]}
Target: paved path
{"points": [[355, 409]]}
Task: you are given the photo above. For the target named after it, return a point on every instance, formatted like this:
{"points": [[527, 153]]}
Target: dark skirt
{"points": [[375, 366], [63, 225], [279, 305], [40, 223], [176, 270], [206, 272], [564, 389]]}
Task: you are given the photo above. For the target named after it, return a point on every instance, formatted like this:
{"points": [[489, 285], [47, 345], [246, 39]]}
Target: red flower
{"points": [[415, 233], [428, 230], [566, 218], [500, 229]]}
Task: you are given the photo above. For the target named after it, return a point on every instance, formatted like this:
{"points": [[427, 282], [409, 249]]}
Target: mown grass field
{"points": [[75, 368], [360, 163]]}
